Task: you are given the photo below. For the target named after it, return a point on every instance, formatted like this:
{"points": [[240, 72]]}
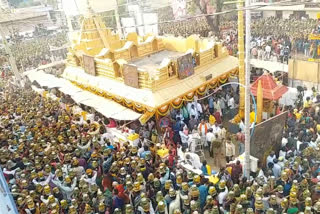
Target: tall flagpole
{"points": [[247, 92]]}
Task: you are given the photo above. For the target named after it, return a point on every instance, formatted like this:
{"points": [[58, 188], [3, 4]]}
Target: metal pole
{"points": [[247, 93], [118, 21], [11, 58]]}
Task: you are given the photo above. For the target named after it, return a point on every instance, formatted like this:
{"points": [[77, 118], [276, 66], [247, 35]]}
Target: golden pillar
{"points": [[241, 58], [240, 114], [259, 102]]}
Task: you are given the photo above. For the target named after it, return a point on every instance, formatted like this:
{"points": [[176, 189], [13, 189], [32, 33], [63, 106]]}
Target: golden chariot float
{"points": [[149, 74]]}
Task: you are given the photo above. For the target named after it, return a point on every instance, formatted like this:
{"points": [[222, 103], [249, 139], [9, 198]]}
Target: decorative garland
{"points": [[213, 84], [177, 103], [202, 90], [223, 79], [163, 110], [128, 103], [189, 96]]}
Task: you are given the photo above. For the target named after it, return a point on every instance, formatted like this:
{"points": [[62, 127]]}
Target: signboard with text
{"points": [[185, 66], [89, 65], [130, 75]]}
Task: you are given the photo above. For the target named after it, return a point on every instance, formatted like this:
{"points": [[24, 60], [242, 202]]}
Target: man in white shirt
{"points": [[242, 126], [282, 153], [230, 151], [66, 188], [276, 169], [193, 111], [260, 53], [199, 108], [231, 103], [313, 143], [106, 137], [222, 195], [281, 162], [284, 140], [259, 42], [268, 52], [184, 137], [181, 153], [215, 128], [203, 128], [271, 157], [210, 137], [193, 160], [299, 142]]}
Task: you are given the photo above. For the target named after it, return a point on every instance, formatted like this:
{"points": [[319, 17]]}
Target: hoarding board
{"points": [[267, 136]]}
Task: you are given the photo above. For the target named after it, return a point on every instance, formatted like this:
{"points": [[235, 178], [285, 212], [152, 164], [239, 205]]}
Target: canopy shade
{"points": [[69, 89], [81, 96], [106, 107]]}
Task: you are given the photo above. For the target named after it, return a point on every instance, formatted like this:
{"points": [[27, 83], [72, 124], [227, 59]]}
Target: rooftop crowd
{"points": [[274, 39], [30, 53], [186, 28]]}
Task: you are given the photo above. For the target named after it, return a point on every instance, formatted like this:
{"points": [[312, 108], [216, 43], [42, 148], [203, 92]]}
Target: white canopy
{"points": [[81, 96], [69, 89], [36, 89], [109, 108], [106, 107], [44, 79], [117, 111]]}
